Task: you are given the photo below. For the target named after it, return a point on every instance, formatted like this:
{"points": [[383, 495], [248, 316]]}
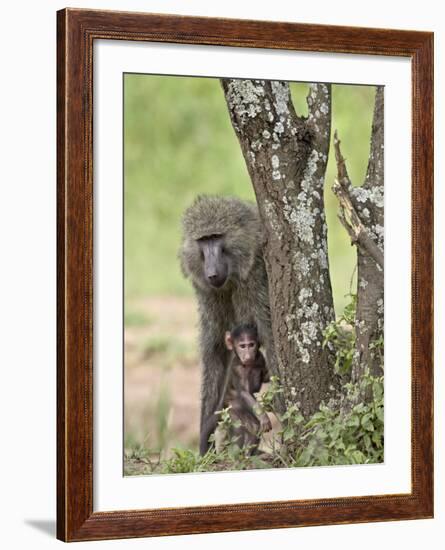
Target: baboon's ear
{"points": [[228, 340]]}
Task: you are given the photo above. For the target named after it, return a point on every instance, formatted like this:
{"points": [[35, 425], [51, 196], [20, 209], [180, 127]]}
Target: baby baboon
{"points": [[221, 252], [247, 372]]}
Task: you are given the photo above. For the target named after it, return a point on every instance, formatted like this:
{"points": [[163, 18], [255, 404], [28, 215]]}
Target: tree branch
{"points": [[361, 212], [348, 214]]}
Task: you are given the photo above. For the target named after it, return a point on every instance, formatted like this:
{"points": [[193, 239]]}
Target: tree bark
{"points": [[286, 156], [363, 218]]}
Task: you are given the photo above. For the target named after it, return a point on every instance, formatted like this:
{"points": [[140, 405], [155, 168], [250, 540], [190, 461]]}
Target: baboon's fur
{"points": [[243, 298]]}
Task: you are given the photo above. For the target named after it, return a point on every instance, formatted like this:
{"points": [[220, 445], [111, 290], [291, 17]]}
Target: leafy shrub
{"points": [[340, 336], [345, 431]]}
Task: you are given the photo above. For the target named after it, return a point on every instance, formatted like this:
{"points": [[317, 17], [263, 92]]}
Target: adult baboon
{"points": [[221, 253]]}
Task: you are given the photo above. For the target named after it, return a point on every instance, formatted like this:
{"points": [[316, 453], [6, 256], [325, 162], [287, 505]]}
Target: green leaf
{"points": [[350, 449], [305, 457], [258, 463], [323, 457], [335, 432], [367, 422], [353, 422], [288, 433], [377, 390], [317, 418], [339, 445], [377, 438], [359, 408], [358, 457], [233, 451], [380, 413]]}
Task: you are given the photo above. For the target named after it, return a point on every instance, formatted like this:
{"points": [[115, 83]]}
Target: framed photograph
{"points": [[245, 260]]}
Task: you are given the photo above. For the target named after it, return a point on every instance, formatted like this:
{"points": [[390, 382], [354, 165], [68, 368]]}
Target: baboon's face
{"points": [[215, 261], [246, 348]]}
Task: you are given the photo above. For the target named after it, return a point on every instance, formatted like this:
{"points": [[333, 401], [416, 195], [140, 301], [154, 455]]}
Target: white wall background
{"points": [[28, 282]]}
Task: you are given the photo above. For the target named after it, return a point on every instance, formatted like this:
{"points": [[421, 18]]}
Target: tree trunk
{"points": [[286, 156], [362, 215]]}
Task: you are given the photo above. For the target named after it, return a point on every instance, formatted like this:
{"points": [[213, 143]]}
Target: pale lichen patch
{"points": [[318, 102], [301, 220], [256, 145], [301, 216], [380, 305], [310, 170], [244, 98], [379, 230], [363, 283], [377, 196], [272, 218], [309, 332], [279, 128], [374, 195], [322, 258], [324, 108], [304, 294], [302, 264], [281, 97]]}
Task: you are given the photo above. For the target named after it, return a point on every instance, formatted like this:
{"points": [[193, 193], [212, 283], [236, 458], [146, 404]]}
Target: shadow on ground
{"points": [[46, 526]]}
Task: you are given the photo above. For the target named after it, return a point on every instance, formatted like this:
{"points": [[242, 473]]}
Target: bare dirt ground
{"points": [[161, 388]]}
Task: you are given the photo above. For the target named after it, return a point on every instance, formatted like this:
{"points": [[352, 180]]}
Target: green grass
{"points": [[134, 318], [169, 351], [179, 142]]}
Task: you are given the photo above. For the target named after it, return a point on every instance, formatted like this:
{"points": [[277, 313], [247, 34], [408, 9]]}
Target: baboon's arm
{"points": [[249, 401]]}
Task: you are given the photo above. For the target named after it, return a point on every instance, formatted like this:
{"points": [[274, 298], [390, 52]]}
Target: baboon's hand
{"points": [[265, 423]]}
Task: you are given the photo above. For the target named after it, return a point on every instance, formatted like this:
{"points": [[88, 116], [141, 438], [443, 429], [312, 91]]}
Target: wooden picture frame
{"points": [[76, 32]]}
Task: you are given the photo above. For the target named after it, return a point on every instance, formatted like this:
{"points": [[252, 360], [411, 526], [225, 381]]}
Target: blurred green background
{"points": [[179, 142]]}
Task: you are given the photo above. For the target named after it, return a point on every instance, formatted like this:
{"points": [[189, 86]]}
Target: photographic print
{"points": [[253, 274]]}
